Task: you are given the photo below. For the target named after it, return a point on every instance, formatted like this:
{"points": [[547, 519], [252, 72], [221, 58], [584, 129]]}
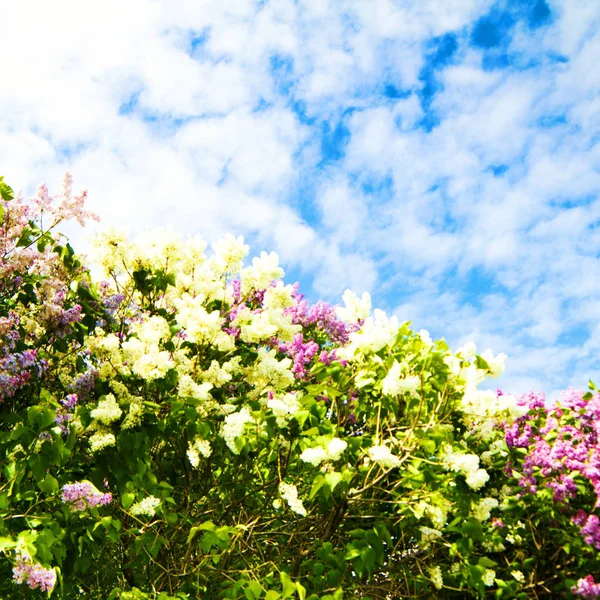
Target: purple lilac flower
{"points": [[235, 310], [563, 488], [327, 357], [591, 531], [17, 369], [34, 575], [113, 302], [85, 383], [515, 438], [69, 402], [258, 296], [301, 353], [322, 315], [82, 495], [236, 284], [27, 358], [234, 332], [71, 315]]}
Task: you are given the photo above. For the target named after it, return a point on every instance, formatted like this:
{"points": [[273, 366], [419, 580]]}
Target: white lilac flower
{"points": [[467, 464], [147, 506], [390, 383], [477, 479], [428, 535], [425, 337], [518, 575], [107, 411], [482, 509], [314, 456], [290, 494], [279, 296], [134, 416], [233, 427], [335, 448], [383, 456], [356, 309], [198, 447], [468, 351], [101, 439], [229, 253], [496, 363], [284, 407], [488, 577], [435, 574], [265, 269]]}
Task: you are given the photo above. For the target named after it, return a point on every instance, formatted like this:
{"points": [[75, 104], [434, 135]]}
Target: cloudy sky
{"points": [[444, 156]]}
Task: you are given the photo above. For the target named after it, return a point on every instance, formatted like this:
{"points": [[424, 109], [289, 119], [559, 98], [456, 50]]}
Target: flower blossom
{"points": [[290, 494], [82, 495], [34, 575], [383, 456], [146, 507]]}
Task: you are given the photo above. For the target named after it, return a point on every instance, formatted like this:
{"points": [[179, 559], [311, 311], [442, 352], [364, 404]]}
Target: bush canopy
{"points": [[184, 426]]}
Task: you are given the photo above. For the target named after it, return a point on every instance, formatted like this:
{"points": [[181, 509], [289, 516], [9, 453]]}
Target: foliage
{"points": [[187, 427]]}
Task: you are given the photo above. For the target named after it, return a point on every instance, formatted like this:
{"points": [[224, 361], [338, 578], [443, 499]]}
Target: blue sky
{"points": [[444, 156]]}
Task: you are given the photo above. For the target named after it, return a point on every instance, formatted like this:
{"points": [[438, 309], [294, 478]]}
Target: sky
{"points": [[443, 156]]}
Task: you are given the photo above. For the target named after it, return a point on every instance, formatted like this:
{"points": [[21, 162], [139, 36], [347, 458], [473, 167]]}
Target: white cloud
{"points": [[207, 138]]}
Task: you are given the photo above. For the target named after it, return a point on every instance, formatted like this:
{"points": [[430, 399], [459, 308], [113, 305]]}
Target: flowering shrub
{"points": [[250, 445]]}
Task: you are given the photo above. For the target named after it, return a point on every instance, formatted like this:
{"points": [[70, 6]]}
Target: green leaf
{"points": [[49, 484], [351, 553], [256, 588], [6, 192], [6, 543], [428, 446], [289, 587], [333, 479], [272, 595], [472, 529], [127, 500], [318, 482]]}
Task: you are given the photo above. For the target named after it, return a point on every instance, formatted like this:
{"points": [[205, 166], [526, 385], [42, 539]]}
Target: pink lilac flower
{"points": [[587, 587], [82, 495], [561, 441]]}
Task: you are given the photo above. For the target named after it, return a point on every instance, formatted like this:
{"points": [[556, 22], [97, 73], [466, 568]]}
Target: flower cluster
{"points": [[290, 494], [33, 574], [587, 588], [318, 454], [82, 495], [146, 507]]}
